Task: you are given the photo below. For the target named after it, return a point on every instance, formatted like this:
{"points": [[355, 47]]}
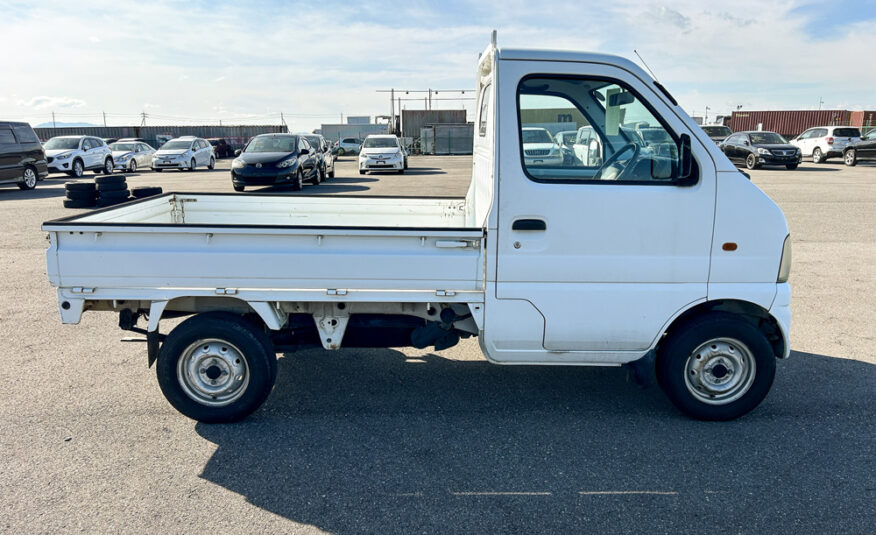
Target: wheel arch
{"points": [[271, 317], [755, 314]]}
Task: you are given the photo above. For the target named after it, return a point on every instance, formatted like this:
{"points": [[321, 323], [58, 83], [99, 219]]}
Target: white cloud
{"points": [[45, 103]]}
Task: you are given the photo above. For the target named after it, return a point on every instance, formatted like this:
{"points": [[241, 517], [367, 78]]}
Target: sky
{"points": [[246, 62]]}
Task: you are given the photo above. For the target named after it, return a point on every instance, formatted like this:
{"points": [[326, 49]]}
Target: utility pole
{"points": [[392, 111], [104, 119], [283, 122], [342, 117], [706, 118], [430, 99], [820, 102], [142, 118], [54, 125]]}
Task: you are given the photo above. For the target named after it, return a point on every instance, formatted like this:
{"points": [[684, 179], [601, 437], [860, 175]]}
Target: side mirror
{"points": [[237, 153], [746, 143], [304, 151], [685, 157]]}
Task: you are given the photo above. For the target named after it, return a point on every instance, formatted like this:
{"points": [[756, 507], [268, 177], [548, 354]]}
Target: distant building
{"points": [[334, 132], [791, 123], [358, 119]]}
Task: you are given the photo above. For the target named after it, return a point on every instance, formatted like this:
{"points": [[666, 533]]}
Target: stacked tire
{"points": [[80, 195], [142, 192], [111, 190]]}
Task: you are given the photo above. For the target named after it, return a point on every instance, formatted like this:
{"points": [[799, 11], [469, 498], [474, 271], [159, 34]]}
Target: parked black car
{"points": [[270, 159], [22, 158], [861, 151], [717, 132], [325, 155], [221, 149], [754, 149]]}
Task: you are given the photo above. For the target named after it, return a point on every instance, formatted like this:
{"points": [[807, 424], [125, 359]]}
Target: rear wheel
{"points": [[29, 179], [716, 367], [216, 367], [341, 151], [751, 162], [817, 156], [850, 158]]}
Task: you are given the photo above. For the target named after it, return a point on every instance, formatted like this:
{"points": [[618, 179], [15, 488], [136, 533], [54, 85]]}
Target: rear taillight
{"points": [[830, 141]]}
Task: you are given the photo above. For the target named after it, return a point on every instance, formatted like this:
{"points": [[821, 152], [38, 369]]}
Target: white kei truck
{"points": [[666, 260]]}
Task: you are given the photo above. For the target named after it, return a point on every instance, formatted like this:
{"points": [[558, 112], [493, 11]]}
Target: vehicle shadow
{"points": [[43, 190], [348, 180], [425, 171], [372, 441]]}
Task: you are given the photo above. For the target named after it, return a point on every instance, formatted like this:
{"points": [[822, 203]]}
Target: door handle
{"points": [[529, 224]]}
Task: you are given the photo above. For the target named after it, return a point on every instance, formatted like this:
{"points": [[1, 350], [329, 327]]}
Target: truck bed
{"points": [[271, 248]]}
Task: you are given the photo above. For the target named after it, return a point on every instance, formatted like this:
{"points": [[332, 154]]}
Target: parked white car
{"points": [[381, 152], [76, 154], [348, 145], [540, 148], [129, 155], [823, 142], [186, 152]]}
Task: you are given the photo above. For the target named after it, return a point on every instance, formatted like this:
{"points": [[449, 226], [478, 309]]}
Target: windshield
{"points": [[655, 135], [272, 144], [567, 138], [381, 143], [717, 131], [847, 132], [176, 145], [62, 143], [538, 135], [128, 147], [767, 138]]}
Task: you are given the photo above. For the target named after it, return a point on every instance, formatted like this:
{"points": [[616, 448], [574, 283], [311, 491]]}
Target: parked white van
{"points": [[673, 265], [823, 142]]}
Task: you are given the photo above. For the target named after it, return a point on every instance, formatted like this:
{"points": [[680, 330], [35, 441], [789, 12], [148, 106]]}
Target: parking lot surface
{"points": [[413, 441]]}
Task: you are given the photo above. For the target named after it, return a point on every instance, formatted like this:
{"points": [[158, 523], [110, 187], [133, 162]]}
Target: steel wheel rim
{"points": [[720, 371], [30, 178], [850, 156], [213, 372]]}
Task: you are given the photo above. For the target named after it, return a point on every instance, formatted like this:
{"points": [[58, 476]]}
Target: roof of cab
{"points": [[523, 54]]}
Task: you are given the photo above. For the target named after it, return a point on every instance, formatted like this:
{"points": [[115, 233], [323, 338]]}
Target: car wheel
{"points": [[29, 179], [192, 165], [341, 152], [318, 177], [716, 367], [361, 172], [108, 166], [132, 167], [791, 166], [299, 181], [212, 163], [216, 367], [817, 156], [157, 170], [238, 188], [751, 162], [78, 169], [331, 174], [850, 158]]}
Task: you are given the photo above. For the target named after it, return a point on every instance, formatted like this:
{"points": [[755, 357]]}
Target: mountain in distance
{"points": [[59, 124]]}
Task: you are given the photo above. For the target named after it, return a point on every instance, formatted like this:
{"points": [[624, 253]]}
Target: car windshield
{"points": [[567, 138], [176, 144], [62, 143], [847, 132], [122, 147], [272, 144], [537, 136], [767, 138], [717, 131], [380, 143], [655, 135]]}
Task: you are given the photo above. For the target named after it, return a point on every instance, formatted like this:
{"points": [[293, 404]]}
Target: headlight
{"points": [[63, 155], [124, 157], [785, 264], [763, 151], [238, 163], [287, 163], [363, 156]]}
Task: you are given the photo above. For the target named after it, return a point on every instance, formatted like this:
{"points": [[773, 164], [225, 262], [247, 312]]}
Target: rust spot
{"points": [[729, 246]]}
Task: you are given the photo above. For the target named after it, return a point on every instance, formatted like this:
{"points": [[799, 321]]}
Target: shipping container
{"points": [[236, 136], [865, 120], [414, 120], [788, 123], [443, 139]]}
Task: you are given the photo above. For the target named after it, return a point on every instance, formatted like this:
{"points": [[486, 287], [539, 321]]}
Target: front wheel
{"points": [[299, 181], [850, 158], [108, 166], [238, 188], [751, 162], [216, 367], [132, 167], [192, 165], [341, 152], [318, 177], [716, 367], [212, 163]]}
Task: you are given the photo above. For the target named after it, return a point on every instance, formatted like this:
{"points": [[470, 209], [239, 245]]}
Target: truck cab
{"points": [[663, 257]]}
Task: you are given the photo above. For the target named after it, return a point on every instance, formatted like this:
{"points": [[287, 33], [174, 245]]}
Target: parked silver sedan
{"points": [[129, 155]]}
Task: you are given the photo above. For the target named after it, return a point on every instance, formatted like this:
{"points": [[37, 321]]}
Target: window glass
{"points": [[482, 117], [272, 144], [839, 132], [821, 132], [767, 138], [618, 138], [6, 137], [380, 143], [25, 134], [86, 144]]}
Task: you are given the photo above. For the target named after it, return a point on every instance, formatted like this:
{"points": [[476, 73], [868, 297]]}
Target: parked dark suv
{"points": [[220, 147], [860, 151], [22, 158]]}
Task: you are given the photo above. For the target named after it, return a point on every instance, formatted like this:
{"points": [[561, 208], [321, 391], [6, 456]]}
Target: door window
{"points": [[821, 132], [86, 144], [25, 134], [6, 137], [619, 138]]}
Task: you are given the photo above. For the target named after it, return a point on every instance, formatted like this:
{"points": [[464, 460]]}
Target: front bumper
{"points": [[121, 165], [372, 164], [60, 166], [266, 176], [772, 159], [173, 164], [781, 311]]}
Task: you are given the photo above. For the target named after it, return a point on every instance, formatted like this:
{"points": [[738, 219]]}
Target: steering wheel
{"points": [[614, 158]]}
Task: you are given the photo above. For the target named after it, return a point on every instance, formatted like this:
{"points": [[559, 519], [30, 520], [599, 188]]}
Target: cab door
{"points": [[605, 253]]}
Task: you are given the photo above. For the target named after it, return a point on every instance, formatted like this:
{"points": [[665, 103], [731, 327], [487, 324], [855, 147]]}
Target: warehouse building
{"points": [[236, 136]]}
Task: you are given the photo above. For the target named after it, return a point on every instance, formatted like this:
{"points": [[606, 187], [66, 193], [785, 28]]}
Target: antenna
{"points": [[645, 64]]}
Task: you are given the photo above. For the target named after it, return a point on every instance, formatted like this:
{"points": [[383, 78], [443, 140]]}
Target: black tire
{"points": [[850, 158], [318, 176], [112, 187], [401, 171], [146, 191], [716, 338], [79, 203], [115, 194], [817, 156], [298, 183], [751, 162], [80, 186], [212, 163], [791, 166], [193, 166], [341, 151], [77, 169], [331, 174], [82, 195], [109, 179], [361, 172], [108, 166], [103, 203], [157, 170], [238, 188], [132, 166], [241, 337], [29, 178]]}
